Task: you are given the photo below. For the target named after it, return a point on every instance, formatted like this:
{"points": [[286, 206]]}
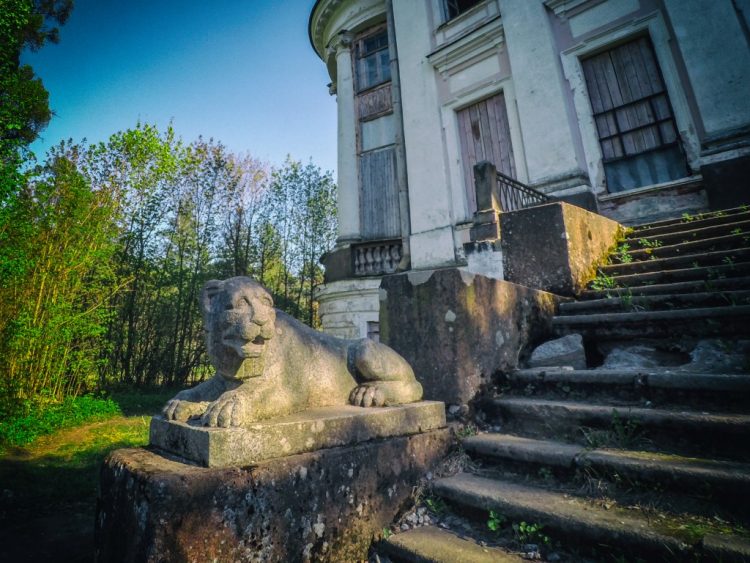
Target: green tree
{"points": [[54, 312], [24, 102]]}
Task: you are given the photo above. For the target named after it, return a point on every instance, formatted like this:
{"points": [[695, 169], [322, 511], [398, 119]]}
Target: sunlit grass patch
{"points": [[63, 468]]}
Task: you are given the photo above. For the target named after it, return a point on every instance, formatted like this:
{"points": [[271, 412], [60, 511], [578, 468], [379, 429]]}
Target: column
{"points": [[545, 109], [348, 185]]}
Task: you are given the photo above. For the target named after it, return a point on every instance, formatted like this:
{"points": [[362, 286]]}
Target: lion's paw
{"points": [[231, 409], [367, 395], [177, 409]]}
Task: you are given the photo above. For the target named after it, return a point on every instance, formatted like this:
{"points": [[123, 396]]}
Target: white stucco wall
{"points": [[717, 58], [429, 189], [548, 137]]}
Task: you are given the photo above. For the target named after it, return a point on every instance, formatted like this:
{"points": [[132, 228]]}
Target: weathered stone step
{"points": [[429, 544], [726, 242], [690, 475], [579, 521], [704, 273], [721, 257], [689, 233], [734, 215], [625, 303], [698, 322], [572, 519], [677, 431], [641, 379], [681, 287]]}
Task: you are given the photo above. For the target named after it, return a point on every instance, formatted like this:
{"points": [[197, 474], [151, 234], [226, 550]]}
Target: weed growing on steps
{"points": [[467, 430], [602, 282], [436, 505], [495, 521], [530, 533], [622, 253], [623, 433], [650, 244]]}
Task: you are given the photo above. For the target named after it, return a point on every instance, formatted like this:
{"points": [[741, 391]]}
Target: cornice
{"points": [[560, 7], [320, 15], [471, 46]]}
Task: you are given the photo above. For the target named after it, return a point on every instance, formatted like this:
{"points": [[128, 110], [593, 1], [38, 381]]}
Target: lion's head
{"points": [[239, 319]]}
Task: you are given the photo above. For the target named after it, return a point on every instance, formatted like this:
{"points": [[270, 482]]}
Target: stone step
{"points": [[571, 519], [688, 475], [636, 240], [680, 287], [704, 273], [640, 379], [671, 430], [698, 322], [430, 544], [728, 257], [625, 302], [725, 242], [707, 219]]}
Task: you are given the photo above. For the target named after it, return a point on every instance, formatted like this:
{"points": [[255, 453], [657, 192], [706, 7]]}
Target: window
{"points": [[454, 8], [373, 64], [634, 120]]}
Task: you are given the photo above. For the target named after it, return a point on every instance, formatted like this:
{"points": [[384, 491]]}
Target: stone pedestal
{"points": [[326, 505], [301, 432]]}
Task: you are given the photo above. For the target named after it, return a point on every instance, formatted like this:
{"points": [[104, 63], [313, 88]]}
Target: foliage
{"points": [[105, 250], [436, 505], [602, 281], [622, 253], [24, 103], [56, 278], [495, 521], [530, 533], [23, 427]]}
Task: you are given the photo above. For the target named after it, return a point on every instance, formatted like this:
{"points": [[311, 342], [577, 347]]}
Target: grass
{"points": [[58, 473]]}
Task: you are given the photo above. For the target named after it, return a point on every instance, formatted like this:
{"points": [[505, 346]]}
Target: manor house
{"points": [[636, 109]]}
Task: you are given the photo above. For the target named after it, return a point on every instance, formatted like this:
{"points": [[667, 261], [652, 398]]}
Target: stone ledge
{"points": [[301, 432], [326, 505]]}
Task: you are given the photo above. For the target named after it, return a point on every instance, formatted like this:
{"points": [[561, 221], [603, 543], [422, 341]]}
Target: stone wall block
{"points": [[457, 329], [555, 247]]}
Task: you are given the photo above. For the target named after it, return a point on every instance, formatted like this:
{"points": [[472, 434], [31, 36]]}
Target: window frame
{"points": [[383, 71]]}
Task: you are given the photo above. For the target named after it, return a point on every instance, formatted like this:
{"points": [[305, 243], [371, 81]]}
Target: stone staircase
{"points": [[618, 462]]}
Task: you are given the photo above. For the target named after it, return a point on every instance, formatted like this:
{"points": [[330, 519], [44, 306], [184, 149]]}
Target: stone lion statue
{"points": [[268, 364]]}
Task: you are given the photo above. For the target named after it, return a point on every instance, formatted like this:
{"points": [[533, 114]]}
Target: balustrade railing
{"points": [[499, 192], [376, 258], [514, 195]]}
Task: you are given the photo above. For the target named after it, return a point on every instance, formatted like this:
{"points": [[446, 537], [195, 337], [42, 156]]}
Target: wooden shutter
{"points": [[633, 116], [485, 135], [380, 211]]}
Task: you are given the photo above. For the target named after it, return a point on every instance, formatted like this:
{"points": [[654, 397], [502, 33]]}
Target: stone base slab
{"points": [[326, 505], [301, 432]]}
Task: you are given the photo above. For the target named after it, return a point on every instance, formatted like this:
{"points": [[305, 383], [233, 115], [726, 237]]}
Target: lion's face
{"points": [[239, 319]]}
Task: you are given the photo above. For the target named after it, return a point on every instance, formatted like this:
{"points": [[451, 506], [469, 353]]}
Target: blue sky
{"points": [[240, 71]]}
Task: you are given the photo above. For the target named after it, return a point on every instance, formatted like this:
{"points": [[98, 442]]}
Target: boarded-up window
{"points": [[485, 135], [633, 116], [379, 201]]}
